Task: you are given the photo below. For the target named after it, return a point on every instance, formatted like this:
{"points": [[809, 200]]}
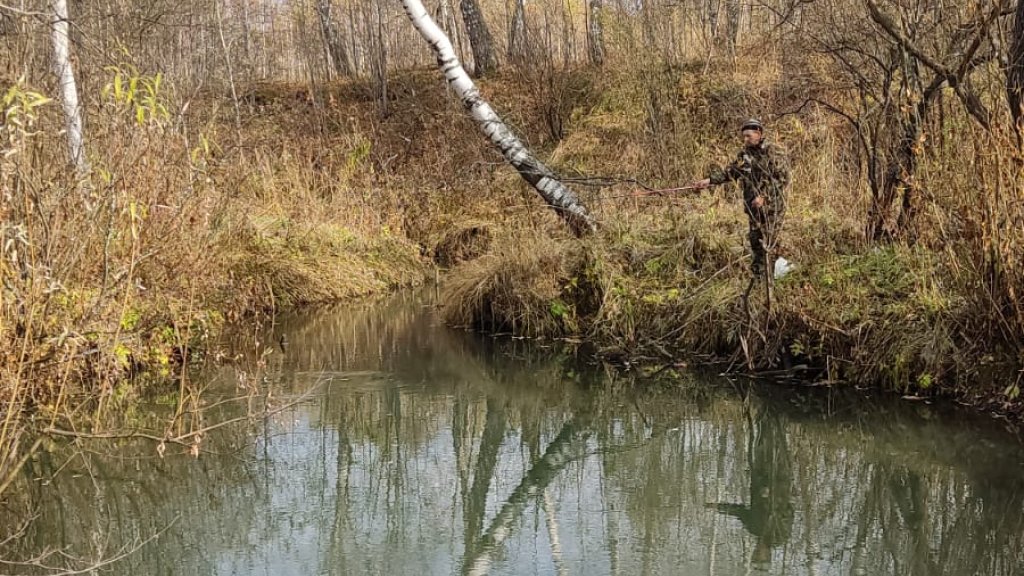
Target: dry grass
{"points": [[467, 242], [187, 223], [667, 272], [120, 278], [515, 288]]}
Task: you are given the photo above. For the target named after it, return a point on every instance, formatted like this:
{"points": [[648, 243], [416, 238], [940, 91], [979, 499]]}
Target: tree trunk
{"points": [[557, 195], [595, 33], [733, 12], [517, 33], [450, 26], [375, 51], [332, 39], [1015, 71], [480, 41], [68, 87], [246, 38], [899, 182], [713, 8], [230, 68]]}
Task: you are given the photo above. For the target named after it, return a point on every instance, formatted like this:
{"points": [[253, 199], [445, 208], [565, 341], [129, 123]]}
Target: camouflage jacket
{"points": [[761, 171]]}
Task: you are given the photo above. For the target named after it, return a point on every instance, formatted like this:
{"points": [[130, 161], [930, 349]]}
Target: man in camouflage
{"points": [[762, 170]]}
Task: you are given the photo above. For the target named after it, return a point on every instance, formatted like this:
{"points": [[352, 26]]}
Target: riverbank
{"points": [[122, 278], [936, 315], [308, 196]]}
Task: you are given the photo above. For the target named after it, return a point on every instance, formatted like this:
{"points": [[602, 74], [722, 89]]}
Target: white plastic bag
{"points": [[782, 267]]}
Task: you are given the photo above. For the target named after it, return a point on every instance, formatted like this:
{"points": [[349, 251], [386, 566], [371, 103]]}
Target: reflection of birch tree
{"points": [[475, 505], [564, 449]]}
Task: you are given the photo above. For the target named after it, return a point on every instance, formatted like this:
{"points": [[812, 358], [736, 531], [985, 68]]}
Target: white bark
{"points": [[451, 27], [335, 44], [551, 518], [556, 194], [564, 449], [595, 32], [517, 32], [68, 87]]}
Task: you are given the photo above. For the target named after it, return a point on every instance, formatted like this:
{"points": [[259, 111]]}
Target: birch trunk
{"points": [[450, 26], [68, 87], [332, 39], [595, 33], [557, 195], [480, 40], [517, 33]]}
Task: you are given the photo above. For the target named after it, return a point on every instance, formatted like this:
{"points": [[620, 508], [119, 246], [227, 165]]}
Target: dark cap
{"points": [[752, 124]]}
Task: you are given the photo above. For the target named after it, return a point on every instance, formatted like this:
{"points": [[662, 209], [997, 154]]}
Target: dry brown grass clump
{"points": [[517, 288], [465, 243]]}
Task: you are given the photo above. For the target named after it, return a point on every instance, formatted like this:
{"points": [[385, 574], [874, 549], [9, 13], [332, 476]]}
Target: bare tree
{"points": [[480, 40], [379, 56], [226, 47], [333, 41], [517, 32], [892, 70], [1015, 71], [68, 88], [733, 12], [595, 32], [539, 176], [449, 24]]}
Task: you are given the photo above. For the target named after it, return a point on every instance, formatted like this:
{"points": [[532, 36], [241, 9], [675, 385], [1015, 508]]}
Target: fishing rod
{"points": [[646, 189]]}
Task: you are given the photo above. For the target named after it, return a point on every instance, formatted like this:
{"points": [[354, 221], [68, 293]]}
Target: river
{"points": [[402, 447]]}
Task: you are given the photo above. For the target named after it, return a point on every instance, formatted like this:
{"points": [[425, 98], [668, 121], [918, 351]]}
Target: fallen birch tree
{"points": [[540, 177]]}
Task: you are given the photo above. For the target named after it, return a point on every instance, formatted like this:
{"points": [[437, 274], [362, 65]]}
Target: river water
{"points": [[408, 448]]}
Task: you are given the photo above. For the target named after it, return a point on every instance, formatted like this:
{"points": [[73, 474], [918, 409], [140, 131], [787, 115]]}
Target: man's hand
{"points": [[757, 203], [701, 184]]}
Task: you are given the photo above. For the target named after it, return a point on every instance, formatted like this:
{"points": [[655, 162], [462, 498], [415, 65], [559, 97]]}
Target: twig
{"points": [[21, 12], [125, 552], [181, 438]]}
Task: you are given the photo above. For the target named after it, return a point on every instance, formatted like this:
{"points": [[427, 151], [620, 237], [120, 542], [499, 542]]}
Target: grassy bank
{"points": [[192, 215], [662, 281], [119, 278]]}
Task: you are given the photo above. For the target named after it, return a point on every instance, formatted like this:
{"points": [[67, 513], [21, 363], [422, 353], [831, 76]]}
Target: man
{"points": [[762, 171]]}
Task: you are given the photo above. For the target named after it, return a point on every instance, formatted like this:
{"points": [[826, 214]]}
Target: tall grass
{"points": [[124, 276], [942, 313]]}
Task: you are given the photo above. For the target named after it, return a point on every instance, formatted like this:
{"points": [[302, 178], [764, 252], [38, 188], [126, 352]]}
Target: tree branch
{"points": [[21, 12], [890, 28], [954, 77]]}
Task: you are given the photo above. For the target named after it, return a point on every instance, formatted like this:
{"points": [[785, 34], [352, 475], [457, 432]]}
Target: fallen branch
{"points": [[181, 439]]}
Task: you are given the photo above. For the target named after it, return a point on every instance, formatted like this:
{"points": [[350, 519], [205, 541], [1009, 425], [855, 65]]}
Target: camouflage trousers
{"points": [[763, 235]]}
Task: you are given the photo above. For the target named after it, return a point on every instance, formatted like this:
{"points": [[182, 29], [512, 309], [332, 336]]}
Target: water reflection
{"points": [[431, 451], [769, 514]]}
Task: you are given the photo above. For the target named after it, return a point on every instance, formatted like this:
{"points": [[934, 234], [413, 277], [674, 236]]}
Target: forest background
{"points": [[214, 159]]}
